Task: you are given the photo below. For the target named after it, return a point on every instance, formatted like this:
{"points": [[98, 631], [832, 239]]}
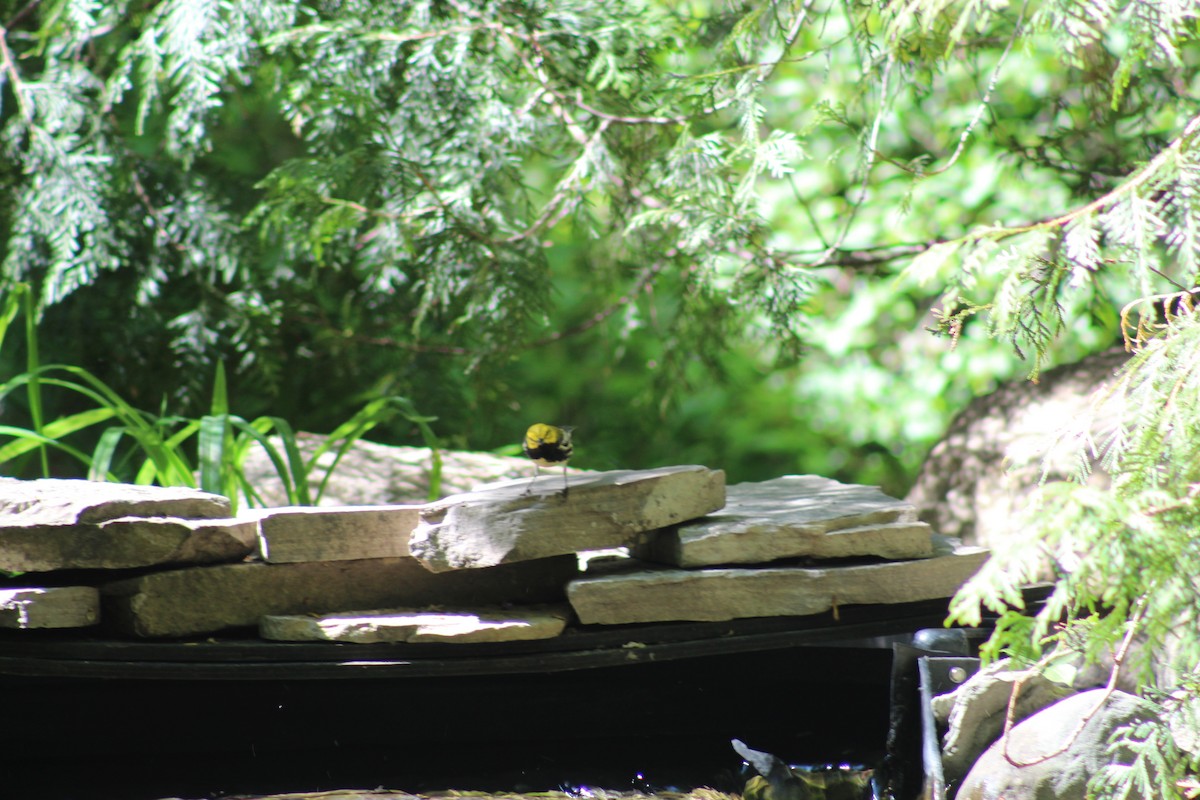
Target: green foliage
{"points": [[1124, 559], [347, 201], [163, 443], [1147, 759], [337, 200]]}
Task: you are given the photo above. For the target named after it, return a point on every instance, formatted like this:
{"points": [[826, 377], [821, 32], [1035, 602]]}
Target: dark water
{"points": [[207, 775], [649, 728]]}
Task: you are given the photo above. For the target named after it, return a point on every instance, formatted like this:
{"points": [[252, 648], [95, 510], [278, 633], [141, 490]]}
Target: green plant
{"points": [[163, 445], [207, 453], [1125, 558]]}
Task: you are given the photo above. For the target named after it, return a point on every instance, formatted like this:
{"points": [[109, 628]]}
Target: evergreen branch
{"points": [[338, 202], [789, 38], [869, 257], [987, 95], [1173, 305], [1147, 174], [868, 165], [647, 277], [461, 224], [766, 70], [8, 66], [639, 286], [557, 207], [623, 119], [20, 16], [405, 38]]}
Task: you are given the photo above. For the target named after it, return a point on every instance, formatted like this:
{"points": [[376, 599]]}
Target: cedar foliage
{"points": [[419, 156]]}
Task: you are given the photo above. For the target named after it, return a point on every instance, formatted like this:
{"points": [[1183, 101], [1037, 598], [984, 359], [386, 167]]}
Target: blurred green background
{"points": [[698, 232]]}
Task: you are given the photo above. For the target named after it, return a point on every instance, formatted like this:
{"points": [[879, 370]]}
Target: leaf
{"points": [[929, 265], [212, 452], [1081, 245]]}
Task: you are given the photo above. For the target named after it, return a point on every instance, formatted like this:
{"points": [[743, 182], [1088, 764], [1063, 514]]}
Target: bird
{"points": [[546, 446]]}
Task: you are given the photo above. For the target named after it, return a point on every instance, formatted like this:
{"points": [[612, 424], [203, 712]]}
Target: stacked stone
{"points": [[499, 563]]}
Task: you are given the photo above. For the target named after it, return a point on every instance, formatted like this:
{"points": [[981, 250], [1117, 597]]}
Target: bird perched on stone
{"points": [[548, 446]]}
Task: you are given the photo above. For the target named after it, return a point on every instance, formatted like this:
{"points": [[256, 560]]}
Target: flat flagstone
{"points": [[717, 594], [56, 501], [794, 516], [124, 543], [49, 607], [195, 600], [305, 533], [401, 625], [503, 523]]}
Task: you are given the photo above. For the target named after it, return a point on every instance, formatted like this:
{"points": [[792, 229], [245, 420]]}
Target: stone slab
{"points": [[49, 607], [55, 501], [123, 543], [295, 534], [795, 516], [195, 600], [409, 625], [502, 523], [717, 594]]}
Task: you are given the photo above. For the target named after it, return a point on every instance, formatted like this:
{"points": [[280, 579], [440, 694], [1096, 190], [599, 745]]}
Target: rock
{"points": [[499, 524], [777, 781], [50, 524], [371, 474], [123, 542], [49, 607], [795, 515], [978, 478], [494, 625], [52, 501], [661, 595], [1053, 754], [306, 533], [196, 600], [975, 712]]}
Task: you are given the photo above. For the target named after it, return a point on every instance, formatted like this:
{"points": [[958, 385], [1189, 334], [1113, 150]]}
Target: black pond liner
{"points": [[649, 707]]}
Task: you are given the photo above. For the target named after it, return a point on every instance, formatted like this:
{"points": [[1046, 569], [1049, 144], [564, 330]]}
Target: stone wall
{"points": [[509, 560]]}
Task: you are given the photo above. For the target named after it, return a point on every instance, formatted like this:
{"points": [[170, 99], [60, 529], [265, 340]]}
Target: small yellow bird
{"points": [[546, 446]]}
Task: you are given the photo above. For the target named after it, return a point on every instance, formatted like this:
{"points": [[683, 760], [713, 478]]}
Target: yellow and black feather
{"points": [[548, 446]]}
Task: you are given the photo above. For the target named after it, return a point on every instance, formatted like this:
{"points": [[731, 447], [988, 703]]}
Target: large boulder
{"points": [[977, 479], [976, 711], [370, 474], [1053, 754]]}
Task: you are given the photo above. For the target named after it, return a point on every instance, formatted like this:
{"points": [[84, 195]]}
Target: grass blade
{"points": [[259, 432], [102, 456], [11, 307], [56, 430], [26, 433], [220, 394], [297, 466], [33, 389], [214, 429], [370, 415]]}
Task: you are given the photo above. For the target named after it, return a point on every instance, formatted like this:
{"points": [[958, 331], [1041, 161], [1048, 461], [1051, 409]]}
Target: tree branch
{"points": [[865, 258], [9, 67], [1110, 687], [644, 280]]}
